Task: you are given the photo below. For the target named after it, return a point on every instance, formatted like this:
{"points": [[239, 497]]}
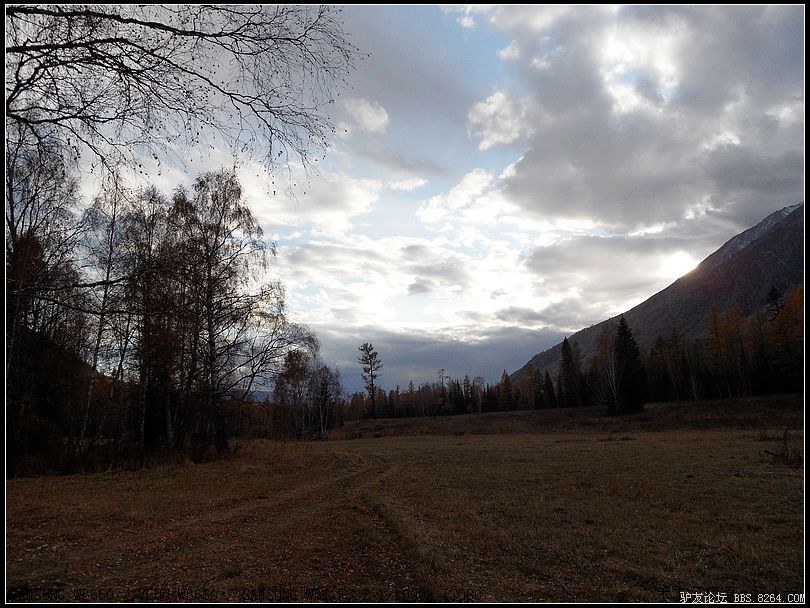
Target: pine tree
{"points": [[538, 398], [371, 364], [631, 376], [548, 389], [505, 397], [570, 374], [773, 303]]}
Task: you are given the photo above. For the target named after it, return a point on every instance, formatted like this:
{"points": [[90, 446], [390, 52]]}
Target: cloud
{"points": [[519, 315], [466, 21], [635, 115], [499, 120], [399, 166], [611, 148], [328, 203], [366, 115], [412, 72], [422, 286], [465, 13], [407, 184], [750, 179], [417, 355], [510, 52], [571, 314], [610, 273], [462, 195]]}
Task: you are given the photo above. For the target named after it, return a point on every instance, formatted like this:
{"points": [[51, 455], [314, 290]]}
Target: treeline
{"points": [[739, 357], [137, 324]]}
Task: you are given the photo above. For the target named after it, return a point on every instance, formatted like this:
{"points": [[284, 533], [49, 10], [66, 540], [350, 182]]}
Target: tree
{"points": [[120, 81], [42, 232], [46, 327], [608, 370], [441, 401], [105, 217], [773, 303], [630, 373], [730, 360], [160, 317], [548, 389], [478, 392], [786, 339], [326, 392], [371, 364], [538, 399], [293, 388], [505, 395], [236, 334], [570, 374]]}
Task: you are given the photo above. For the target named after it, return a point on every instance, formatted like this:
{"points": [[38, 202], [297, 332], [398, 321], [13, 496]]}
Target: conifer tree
{"points": [[631, 377], [371, 364], [570, 376], [505, 397], [550, 394]]}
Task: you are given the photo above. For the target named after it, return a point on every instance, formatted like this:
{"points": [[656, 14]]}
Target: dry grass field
{"points": [[546, 506]]}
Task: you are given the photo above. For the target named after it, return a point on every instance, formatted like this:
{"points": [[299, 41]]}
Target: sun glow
{"points": [[677, 265]]}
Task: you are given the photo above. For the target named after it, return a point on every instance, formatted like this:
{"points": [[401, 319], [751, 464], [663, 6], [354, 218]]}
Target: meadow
{"points": [[567, 505]]}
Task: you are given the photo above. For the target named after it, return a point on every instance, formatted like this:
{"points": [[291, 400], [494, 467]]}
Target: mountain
{"points": [[741, 272]]}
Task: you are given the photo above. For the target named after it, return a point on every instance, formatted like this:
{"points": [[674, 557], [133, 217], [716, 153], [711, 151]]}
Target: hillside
{"points": [[740, 272]]}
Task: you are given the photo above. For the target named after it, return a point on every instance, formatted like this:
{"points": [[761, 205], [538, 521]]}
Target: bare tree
{"points": [[120, 81], [105, 218], [223, 249], [41, 231], [442, 395], [263, 342], [326, 392], [293, 388]]}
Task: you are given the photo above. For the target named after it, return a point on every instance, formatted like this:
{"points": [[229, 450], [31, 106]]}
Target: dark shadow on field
{"points": [[775, 411]]}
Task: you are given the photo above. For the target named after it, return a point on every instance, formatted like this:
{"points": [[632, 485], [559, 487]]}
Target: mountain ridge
{"points": [[740, 272]]}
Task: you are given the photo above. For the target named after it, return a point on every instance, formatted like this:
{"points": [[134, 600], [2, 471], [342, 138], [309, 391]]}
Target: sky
{"points": [[504, 176]]}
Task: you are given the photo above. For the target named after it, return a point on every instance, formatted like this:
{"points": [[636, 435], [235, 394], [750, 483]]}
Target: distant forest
{"points": [[739, 357]]}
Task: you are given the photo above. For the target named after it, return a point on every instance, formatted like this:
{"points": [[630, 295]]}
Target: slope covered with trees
{"points": [[741, 273]]}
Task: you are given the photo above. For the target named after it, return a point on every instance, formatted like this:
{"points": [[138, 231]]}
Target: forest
{"points": [[739, 357], [141, 321]]}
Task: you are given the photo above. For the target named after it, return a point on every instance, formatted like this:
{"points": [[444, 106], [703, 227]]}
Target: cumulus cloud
{"points": [[366, 115], [611, 273], [463, 195], [327, 202], [499, 120], [421, 286], [413, 73], [649, 111], [465, 13], [510, 52]]}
